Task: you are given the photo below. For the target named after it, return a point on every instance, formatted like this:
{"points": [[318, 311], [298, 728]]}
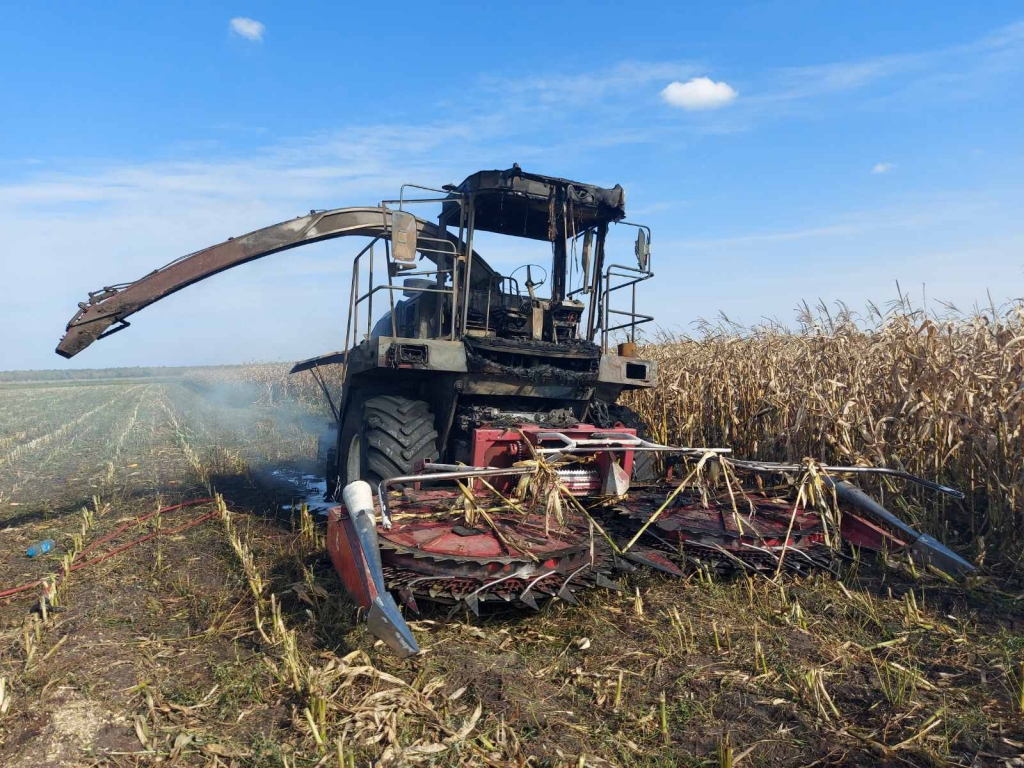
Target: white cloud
{"points": [[250, 29], [882, 167], [698, 93]]}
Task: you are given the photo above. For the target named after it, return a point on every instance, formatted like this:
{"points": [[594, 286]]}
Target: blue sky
{"points": [[780, 151]]}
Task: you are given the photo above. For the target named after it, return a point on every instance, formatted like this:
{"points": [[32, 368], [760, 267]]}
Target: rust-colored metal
{"points": [[431, 553], [112, 305], [345, 551]]}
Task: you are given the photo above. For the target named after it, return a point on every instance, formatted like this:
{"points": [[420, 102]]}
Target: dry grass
{"points": [[938, 396], [232, 644]]}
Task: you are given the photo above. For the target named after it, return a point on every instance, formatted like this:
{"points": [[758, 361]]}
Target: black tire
{"points": [[385, 436], [645, 466], [333, 491]]}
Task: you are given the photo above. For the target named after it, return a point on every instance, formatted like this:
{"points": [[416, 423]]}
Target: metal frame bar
{"points": [[355, 299], [613, 442], [449, 195], [315, 370], [448, 474], [585, 284], [635, 275], [353, 302], [470, 229], [771, 466], [443, 247], [596, 293]]}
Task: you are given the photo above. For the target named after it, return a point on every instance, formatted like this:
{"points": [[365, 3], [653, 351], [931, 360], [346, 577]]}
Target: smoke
{"points": [[261, 417]]}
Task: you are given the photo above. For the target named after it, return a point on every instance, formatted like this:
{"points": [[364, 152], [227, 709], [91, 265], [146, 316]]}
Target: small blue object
{"points": [[40, 548]]}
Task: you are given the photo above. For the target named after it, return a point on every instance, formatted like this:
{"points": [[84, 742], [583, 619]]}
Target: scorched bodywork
{"points": [[478, 439]]}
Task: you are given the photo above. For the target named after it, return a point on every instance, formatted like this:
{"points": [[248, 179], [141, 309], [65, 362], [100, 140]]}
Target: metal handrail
{"points": [[635, 275], [356, 299], [449, 249], [440, 245], [451, 196]]}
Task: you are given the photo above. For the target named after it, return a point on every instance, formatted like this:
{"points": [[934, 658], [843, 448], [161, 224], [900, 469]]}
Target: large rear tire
{"points": [[386, 436]]}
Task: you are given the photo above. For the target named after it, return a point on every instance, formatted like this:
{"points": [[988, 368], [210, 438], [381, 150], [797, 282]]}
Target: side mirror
{"points": [[403, 236], [643, 250]]}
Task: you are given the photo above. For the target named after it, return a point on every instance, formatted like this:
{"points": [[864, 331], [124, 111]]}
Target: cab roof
{"points": [[521, 204]]}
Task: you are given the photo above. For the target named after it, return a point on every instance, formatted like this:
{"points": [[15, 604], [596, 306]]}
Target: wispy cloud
{"points": [[925, 213], [797, 83], [500, 117], [248, 28], [961, 68], [591, 88], [100, 222], [882, 167], [618, 99], [764, 238]]}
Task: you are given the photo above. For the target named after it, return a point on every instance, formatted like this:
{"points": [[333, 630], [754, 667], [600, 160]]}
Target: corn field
{"points": [[940, 396]]}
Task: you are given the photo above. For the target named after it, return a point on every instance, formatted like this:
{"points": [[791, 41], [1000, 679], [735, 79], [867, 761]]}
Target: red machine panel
{"points": [[503, 447]]}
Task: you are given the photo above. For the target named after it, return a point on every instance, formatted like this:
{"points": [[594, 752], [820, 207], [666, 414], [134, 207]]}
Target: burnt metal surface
{"points": [[927, 549], [535, 374], [429, 554], [535, 362], [627, 371], [437, 354], [579, 349], [556, 391], [328, 358], [514, 202], [751, 536], [471, 548], [113, 304]]}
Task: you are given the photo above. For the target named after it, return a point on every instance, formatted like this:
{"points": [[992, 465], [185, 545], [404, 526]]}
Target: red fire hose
{"points": [[79, 563]]}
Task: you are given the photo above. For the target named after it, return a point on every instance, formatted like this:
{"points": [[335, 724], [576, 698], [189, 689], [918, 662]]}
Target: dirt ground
{"points": [[230, 642]]}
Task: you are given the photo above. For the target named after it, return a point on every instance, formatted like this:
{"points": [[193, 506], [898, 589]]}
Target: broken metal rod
{"points": [[776, 467], [458, 473]]}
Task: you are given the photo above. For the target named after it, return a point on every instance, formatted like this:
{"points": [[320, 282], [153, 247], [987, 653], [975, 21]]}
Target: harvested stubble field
{"points": [[230, 643]]}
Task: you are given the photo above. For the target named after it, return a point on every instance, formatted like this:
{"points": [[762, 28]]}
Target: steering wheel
{"points": [[538, 266]]}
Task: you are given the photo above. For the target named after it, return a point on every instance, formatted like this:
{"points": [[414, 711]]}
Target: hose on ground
{"points": [[80, 563]]}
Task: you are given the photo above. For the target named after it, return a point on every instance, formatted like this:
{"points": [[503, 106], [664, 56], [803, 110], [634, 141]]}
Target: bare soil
{"points": [[157, 655]]}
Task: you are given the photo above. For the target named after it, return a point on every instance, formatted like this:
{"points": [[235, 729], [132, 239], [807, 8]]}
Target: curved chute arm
{"points": [[113, 305]]}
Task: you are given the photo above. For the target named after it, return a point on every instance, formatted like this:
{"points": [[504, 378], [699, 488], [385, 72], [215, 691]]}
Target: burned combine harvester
{"points": [[480, 450]]}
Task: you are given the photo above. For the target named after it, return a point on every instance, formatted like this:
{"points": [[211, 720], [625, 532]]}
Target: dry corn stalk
{"points": [[936, 395]]}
